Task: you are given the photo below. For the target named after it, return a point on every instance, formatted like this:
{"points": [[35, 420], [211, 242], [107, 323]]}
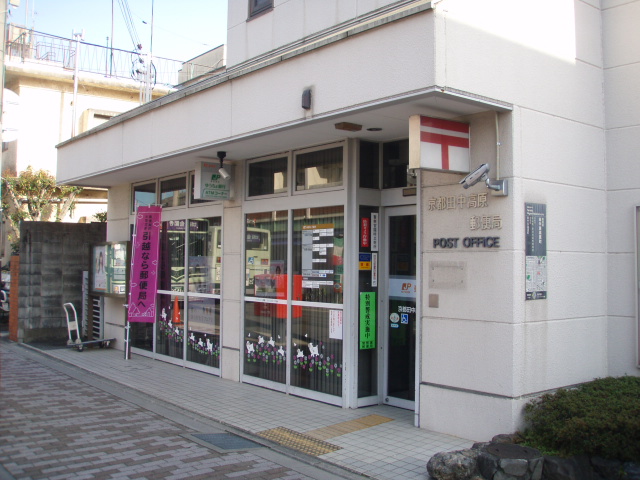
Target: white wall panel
{"points": [[621, 99], [560, 353], [102, 152], [464, 414], [622, 34], [576, 217], [516, 60], [622, 286], [621, 235], [588, 33], [621, 339], [192, 121], [576, 287], [623, 167], [489, 291], [230, 324], [469, 354], [288, 22], [562, 151]]}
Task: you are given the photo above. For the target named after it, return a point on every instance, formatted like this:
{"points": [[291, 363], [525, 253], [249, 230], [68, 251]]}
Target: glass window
{"points": [[265, 252], [395, 162], [259, 6], [144, 194], [203, 332], [268, 177], [173, 192], [369, 165], [316, 330], [265, 328], [319, 169], [205, 255], [317, 350], [170, 326], [172, 241], [319, 254]]}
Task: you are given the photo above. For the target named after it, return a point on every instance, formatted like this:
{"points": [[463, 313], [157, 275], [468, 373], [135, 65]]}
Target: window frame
{"points": [[169, 178], [255, 8], [132, 201], [294, 169], [288, 155]]}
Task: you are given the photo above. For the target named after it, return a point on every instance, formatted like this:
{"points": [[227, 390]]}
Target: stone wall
{"points": [[52, 259]]}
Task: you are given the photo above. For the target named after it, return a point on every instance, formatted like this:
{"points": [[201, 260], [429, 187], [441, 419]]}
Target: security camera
{"points": [[224, 174], [479, 174]]}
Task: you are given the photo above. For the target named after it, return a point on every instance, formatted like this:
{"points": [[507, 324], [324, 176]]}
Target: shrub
{"points": [[600, 418]]}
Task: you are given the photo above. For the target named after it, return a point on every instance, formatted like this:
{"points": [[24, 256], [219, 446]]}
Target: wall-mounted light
{"points": [[348, 127], [223, 173], [306, 99]]}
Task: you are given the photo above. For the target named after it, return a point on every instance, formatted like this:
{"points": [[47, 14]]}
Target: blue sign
{"points": [[365, 257]]}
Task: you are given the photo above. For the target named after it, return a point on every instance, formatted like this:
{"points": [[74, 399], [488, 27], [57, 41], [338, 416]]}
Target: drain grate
{"points": [[227, 441], [299, 441]]}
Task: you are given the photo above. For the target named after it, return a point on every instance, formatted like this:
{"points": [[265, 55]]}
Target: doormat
{"points": [[298, 441], [227, 441]]}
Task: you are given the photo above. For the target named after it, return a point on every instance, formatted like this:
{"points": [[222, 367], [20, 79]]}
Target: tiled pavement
{"points": [[379, 442]]}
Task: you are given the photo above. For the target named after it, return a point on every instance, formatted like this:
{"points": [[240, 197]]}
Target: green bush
{"points": [[600, 418]]}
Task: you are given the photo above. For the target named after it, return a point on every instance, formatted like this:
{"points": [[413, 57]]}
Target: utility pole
{"points": [[78, 36]]}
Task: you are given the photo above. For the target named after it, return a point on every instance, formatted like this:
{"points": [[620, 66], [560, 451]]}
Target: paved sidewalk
{"points": [[379, 442]]}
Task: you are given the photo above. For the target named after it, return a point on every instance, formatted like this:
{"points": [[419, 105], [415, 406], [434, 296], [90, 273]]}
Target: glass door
{"points": [[400, 308]]}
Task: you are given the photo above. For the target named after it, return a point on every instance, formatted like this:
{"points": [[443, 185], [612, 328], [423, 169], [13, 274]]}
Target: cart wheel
{"points": [[80, 347], [107, 344], [101, 345]]}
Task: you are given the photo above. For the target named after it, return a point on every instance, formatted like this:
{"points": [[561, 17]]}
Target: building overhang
{"points": [[389, 117]]}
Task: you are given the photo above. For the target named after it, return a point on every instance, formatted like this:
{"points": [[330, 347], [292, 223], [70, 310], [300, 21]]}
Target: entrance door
{"points": [[400, 325]]}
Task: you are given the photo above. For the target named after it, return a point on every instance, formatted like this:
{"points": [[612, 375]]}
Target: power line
{"points": [[128, 20]]}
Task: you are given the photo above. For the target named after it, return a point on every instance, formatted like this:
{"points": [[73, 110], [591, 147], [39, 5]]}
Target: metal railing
{"points": [[30, 46]]}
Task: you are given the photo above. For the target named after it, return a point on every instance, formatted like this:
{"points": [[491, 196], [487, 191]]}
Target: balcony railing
{"points": [[30, 46]]}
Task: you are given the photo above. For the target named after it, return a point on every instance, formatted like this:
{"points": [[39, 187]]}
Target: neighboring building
{"points": [[208, 63], [336, 273], [39, 68]]}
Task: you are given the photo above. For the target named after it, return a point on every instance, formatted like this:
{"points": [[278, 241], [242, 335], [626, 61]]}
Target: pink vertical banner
{"points": [[143, 285]]}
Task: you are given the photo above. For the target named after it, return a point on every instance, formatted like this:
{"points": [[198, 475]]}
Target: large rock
{"points": [[458, 465], [574, 468], [507, 461]]}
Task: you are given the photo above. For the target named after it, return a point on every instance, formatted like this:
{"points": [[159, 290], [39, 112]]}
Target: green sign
{"points": [[367, 320]]}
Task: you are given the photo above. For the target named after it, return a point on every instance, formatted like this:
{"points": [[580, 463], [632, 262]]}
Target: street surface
{"points": [[60, 422]]}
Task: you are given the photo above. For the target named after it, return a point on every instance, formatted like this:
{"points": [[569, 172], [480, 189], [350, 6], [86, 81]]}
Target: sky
{"points": [[182, 29]]}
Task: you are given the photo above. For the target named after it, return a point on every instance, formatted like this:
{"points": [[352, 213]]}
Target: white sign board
{"points": [[209, 184]]}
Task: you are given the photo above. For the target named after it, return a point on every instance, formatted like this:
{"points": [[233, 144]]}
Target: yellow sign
{"points": [[365, 265]]}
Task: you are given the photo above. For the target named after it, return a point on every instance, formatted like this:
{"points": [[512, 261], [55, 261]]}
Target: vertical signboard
{"points": [[536, 251], [365, 232], [144, 265], [374, 231], [367, 320]]}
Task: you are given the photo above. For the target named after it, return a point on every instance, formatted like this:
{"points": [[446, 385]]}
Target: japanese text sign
{"points": [[144, 265]]}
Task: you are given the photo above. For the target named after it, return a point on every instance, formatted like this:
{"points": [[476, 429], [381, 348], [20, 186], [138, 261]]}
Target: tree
{"points": [[34, 196]]}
